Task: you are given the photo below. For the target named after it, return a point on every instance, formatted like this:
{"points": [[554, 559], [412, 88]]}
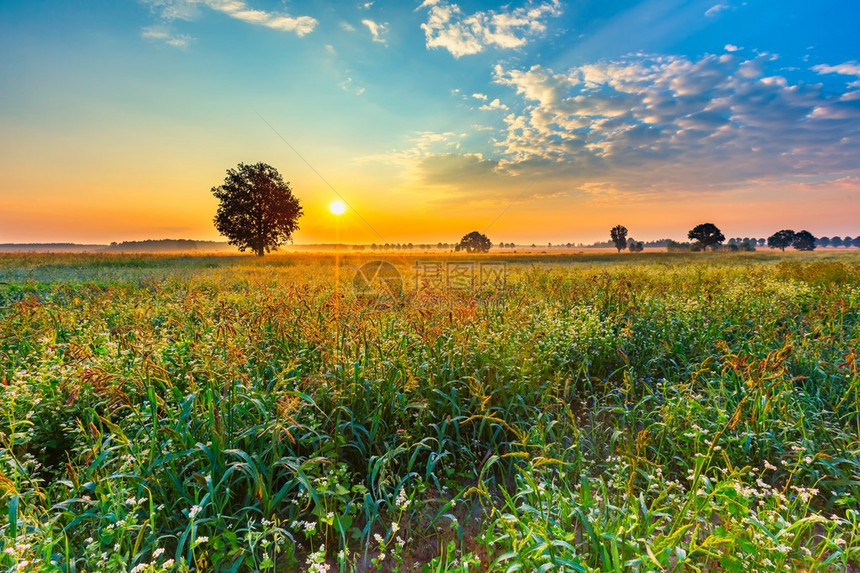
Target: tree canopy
{"points": [[474, 242], [804, 241], [618, 233], [635, 246], [257, 209], [707, 234], [781, 239]]}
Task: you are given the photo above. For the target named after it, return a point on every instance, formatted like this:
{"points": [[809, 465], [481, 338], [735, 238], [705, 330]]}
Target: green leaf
{"points": [[342, 523], [13, 517]]}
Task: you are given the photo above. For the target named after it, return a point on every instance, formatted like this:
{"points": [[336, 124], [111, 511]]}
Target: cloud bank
{"points": [[672, 120]]}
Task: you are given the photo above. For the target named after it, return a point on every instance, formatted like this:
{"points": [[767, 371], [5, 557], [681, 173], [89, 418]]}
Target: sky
{"points": [[540, 121]]}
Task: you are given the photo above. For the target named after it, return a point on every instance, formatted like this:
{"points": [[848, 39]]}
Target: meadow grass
{"points": [[654, 412]]}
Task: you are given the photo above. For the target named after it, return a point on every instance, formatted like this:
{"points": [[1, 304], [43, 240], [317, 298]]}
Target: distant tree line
{"points": [[708, 236], [838, 242], [154, 245]]}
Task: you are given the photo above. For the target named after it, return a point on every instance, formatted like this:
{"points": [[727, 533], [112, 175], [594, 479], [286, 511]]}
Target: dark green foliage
{"points": [[635, 246], [706, 235], [618, 234], [781, 239], [804, 241], [257, 209], [474, 242]]}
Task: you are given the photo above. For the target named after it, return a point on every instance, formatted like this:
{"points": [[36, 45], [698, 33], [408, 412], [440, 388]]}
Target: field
{"points": [[653, 412]]}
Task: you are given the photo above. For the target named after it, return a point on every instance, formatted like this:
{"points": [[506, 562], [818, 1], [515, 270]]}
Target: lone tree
{"points": [[804, 241], [635, 246], [258, 210], [707, 234], [781, 239], [618, 233], [474, 242]]}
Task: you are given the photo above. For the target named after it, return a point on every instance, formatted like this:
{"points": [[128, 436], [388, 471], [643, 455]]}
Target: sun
{"points": [[337, 208]]}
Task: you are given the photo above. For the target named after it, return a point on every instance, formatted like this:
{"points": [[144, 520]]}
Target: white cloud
{"points": [[330, 49], [846, 69], [236, 9], [365, 5], [480, 96], [346, 26], [713, 120], [421, 144], [162, 34], [347, 85], [302, 25], [732, 48], [716, 9], [494, 105], [464, 34], [377, 30]]}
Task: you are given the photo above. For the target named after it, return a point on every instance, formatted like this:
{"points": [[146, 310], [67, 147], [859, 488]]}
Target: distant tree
{"points": [[258, 210], [707, 235], [836, 241], [474, 242], [675, 247], [822, 242], [781, 239], [856, 242], [803, 241], [847, 241], [618, 234], [635, 246], [746, 245]]}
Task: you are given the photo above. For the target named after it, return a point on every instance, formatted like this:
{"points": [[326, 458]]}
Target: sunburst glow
{"points": [[337, 208]]}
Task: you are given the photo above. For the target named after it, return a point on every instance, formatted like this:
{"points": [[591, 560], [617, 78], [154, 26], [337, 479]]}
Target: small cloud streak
{"points": [[170, 10], [716, 9], [846, 69], [162, 34], [377, 30], [494, 106], [347, 85]]}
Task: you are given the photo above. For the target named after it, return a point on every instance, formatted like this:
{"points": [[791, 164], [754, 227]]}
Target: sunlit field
{"points": [[651, 412]]}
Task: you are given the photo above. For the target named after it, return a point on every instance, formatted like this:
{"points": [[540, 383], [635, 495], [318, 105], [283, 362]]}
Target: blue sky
{"points": [[432, 118]]}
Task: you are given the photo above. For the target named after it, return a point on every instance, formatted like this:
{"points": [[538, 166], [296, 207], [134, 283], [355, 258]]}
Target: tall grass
{"points": [[668, 413]]}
